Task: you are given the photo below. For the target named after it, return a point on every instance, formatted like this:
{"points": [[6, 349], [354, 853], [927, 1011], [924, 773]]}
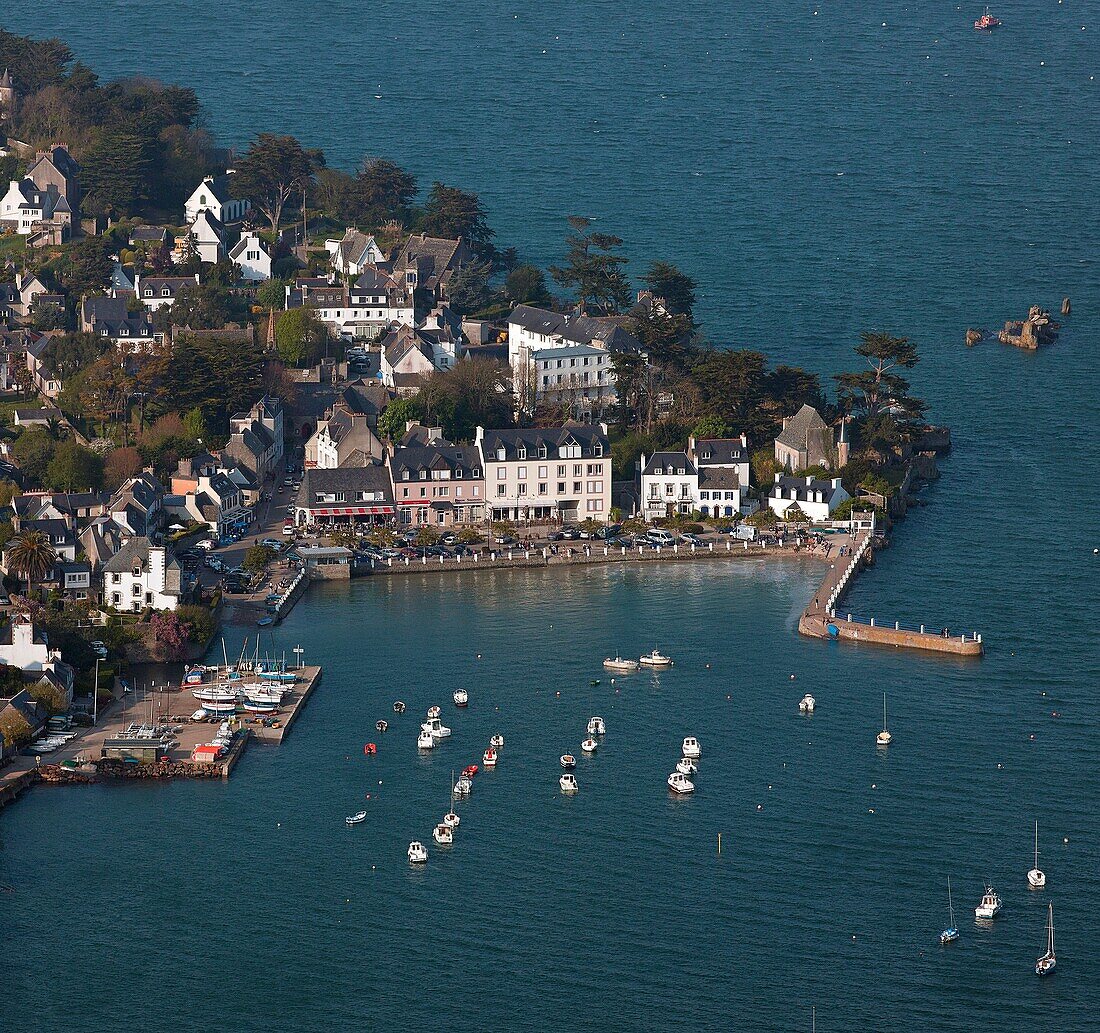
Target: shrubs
{"points": [[198, 621], [258, 557]]}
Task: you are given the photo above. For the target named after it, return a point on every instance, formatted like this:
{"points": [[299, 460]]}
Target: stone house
{"points": [[807, 440], [142, 574]]}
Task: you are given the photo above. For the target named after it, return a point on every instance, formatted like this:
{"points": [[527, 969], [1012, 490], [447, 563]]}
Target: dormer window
{"points": [[458, 472], [166, 292], [522, 452], [123, 331], [148, 292], [404, 475], [706, 454], [542, 451], [137, 570], [500, 455], [597, 450], [422, 475]]}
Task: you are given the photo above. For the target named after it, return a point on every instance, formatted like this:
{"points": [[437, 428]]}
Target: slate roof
{"points": [[374, 477], [572, 327], [110, 314], [659, 463], [722, 452], [804, 488], [157, 284], [718, 478], [433, 258], [589, 437], [439, 456], [805, 430], [365, 398]]}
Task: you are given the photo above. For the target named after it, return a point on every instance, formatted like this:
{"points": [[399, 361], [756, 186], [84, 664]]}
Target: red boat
{"points": [[469, 771], [987, 23]]}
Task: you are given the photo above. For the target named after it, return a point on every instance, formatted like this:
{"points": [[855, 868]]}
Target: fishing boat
{"points": [[443, 834], [691, 748], [355, 819], [686, 767], [417, 853], [990, 906], [399, 707], [884, 738], [497, 741], [469, 771], [568, 761], [678, 782], [1045, 965], [425, 741], [596, 726], [452, 819], [489, 758], [463, 787], [987, 23], [655, 659], [951, 933], [568, 782], [1036, 878], [461, 697], [435, 728], [621, 665], [589, 746], [807, 703]]}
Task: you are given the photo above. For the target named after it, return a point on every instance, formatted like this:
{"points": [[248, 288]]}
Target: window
{"points": [[654, 491], [404, 475], [561, 487], [669, 490], [458, 473], [502, 473], [500, 491], [521, 473], [597, 449], [148, 292], [578, 469], [561, 470], [523, 489], [542, 451], [341, 496], [705, 496], [500, 455], [123, 331], [138, 590], [543, 487], [577, 487], [706, 454], [166, 292], [521, 453]]}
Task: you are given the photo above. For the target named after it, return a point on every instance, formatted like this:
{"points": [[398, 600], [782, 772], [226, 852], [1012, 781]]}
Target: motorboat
{"points": [[489, 758], [1045, 965], [884, 738], [399, 707], [425, 741], [434, 712], [451, 819], [621, 665], [568, 761], [463, 787], [1036, 878], [590, 746], [990, 906], [417, 853], [691, 748], [806, 704], [655, 659], [198, 715], [678, 782], [260, 706], [461, 697], [496, 741], [355, 819], [216, 694], [987, 22], [568, 782], [686, 767], [596, 726], [469, 771], [435, 728], [443, 834], [951, 933], [381, 726]]}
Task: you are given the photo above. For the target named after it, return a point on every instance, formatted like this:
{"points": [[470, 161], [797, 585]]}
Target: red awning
{"points": [[353, 511]]}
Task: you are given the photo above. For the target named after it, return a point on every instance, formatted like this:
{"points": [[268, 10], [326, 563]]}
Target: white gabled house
{"points": [[670, 483], [816, 498], [141, 574], [354, 252], [213, 195], [206, 235], [157, 291], [252, 255]]}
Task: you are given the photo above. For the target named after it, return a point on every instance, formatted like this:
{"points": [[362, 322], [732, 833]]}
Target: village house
{"points": [[204, 494], [560, 474], [252, 255], [109, 317], [436, 482], [33, 293], [44, 205], [807, 440], [46, 381], [74, 508], [142, 574], [816, 498], [24, 647], [137, 506], [40, 417], [256, 438], [426, 265], [343, 438], [204, 236], [148, 236], [215, 196], [361, 310], [670, 483], [405, 358], [723, 465], [156, 292], [353, 253], [346, 494]]}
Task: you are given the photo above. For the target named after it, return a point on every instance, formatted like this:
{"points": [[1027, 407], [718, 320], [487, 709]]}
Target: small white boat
{"points": [[990, 906], [590, 746], [807, 704], [496, 741], [1045, 965], [425, 741], [621, 665], [355, 819], [417, 853], [198, 715], [951, 933], [1036, 878], [461, 697], [442, 834], [596, 726], [435, 728], [434, 712], [678, 782], [452, 820], [568, 761], [686, 767], [568, 782], [399, 707], [884, 738], [463, 786], [489, 758], [655, 659], [381, 726], [691, 748]]}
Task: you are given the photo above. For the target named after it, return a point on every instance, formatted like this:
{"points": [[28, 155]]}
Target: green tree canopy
{"points": [[526, 285], [300, 337], [33, 450], [592, 270], [676, 288], [451, 212], [273, 168], [395, 417], [74, 468]]}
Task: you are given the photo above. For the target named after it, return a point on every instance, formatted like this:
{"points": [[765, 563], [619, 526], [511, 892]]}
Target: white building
{"points": [[816, 498], [213, 195], [374, 302], [556, 474], [354, 252], [710, 478], [253, 257], [205, 234], [158, 291], [141, 574], [21, 646], [670, 483]]}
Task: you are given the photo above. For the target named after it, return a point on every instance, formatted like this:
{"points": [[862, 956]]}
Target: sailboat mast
{"points": [[1036, 842]]}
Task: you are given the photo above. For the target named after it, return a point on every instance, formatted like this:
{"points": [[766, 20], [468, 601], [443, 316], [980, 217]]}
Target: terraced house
{"points": [[437, 483]]}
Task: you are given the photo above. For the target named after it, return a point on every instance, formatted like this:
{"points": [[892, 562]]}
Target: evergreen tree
{"points": [[592, 271]]}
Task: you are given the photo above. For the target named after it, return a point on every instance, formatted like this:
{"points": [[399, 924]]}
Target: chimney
{"points": [[778, 474], [809, 478]]}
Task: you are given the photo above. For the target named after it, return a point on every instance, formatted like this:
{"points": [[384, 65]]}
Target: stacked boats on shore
{"points": [[259, 687]]}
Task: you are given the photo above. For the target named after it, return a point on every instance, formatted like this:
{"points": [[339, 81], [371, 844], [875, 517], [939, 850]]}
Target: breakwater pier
{"points": [[822, 619]]}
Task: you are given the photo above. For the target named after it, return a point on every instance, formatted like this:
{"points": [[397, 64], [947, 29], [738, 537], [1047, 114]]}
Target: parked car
{"points": [[449, 539], [659, 536], [555, 536], [4, 600], [205, 545], [272, 543], [504, 539], [99, 648], [288, 529], [570, 534], [691, 539]]}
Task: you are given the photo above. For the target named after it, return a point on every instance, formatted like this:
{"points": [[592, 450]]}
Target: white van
{"points": [[659, 536]]}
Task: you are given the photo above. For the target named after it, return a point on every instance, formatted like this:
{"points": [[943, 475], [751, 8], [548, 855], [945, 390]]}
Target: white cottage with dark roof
{"points": [[141, 574], [816, 498]]}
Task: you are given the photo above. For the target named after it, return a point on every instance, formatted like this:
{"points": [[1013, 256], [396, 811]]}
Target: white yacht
{"points": [[691, 748], [463, 786], [590, 746], [990, 906], [461, 697], [425, 741], [884, 738], [417, 853], [452, 820], [568, 761], [1036, 878], [621, 665], [434, 727], [497, 741], [568, 782], [596, 726], [355, 819], [489, 758], [806, 704], [686, 767], [678, 782], [442, 834], [655, 659]]}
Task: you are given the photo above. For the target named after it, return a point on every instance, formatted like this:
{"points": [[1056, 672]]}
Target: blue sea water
{"points": [[819, 173]]}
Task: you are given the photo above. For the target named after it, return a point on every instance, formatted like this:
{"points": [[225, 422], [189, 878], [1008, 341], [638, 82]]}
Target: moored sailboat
{"points": [[1036, 878], [1045, 965], [884, 738], [951, 933]]}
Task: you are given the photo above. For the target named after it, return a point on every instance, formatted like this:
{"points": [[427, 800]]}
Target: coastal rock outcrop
{"points": [[1038, 329], [973, 337]]}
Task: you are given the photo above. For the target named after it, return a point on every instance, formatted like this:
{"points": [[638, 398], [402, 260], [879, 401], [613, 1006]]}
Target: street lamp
{"points": [[95, 693]]}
